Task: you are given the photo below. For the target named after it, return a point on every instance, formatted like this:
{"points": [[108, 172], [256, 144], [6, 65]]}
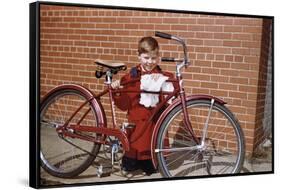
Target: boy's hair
{"points": [[148, 45]]}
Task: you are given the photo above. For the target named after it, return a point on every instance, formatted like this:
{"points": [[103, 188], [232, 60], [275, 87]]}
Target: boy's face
{"points": [[149, 61]]}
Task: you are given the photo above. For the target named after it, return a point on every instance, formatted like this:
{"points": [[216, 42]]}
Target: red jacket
{"points": [[140, 138]]}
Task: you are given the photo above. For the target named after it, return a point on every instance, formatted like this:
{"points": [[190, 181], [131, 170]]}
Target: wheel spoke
{"points": [[176, 149]]}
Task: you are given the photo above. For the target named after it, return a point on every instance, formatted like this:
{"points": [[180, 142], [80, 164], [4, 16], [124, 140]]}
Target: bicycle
{"points": [[195, 135]]}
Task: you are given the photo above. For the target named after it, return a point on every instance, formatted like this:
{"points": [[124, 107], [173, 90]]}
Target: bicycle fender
{"points": [[167, 111], [89, 95]]}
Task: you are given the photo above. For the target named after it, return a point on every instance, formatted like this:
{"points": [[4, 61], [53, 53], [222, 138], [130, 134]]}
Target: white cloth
{"points": [[154, 83]]}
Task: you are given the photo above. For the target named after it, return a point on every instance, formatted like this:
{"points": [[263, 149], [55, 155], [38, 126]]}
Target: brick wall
{"points": [[225, 52]]}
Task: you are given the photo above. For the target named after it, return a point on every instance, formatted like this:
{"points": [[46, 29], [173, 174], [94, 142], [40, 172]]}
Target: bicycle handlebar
{"points": [[171, 59], [179, 40], [163, 35], [168, 59]]}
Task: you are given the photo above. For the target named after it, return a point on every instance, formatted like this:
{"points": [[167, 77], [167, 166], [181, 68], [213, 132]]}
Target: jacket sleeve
{"points": [[122, 100]]}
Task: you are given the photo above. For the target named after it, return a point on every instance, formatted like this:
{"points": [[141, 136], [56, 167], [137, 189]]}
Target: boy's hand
{"points": [[115, 84]]}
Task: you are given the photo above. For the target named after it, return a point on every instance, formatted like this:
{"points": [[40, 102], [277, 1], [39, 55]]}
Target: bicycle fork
{"points": [[207, 123]]}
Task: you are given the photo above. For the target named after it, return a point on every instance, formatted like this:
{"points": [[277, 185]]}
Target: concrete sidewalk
{"points": [[260, 163]]}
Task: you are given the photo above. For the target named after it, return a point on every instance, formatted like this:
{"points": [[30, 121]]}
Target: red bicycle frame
{"points": [[103, 130]]}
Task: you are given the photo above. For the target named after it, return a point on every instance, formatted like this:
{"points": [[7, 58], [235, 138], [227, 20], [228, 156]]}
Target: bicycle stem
{"points": [[179, 67]]}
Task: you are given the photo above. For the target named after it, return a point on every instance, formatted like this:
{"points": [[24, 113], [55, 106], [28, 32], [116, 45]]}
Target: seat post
{"points": [[108, 77]]}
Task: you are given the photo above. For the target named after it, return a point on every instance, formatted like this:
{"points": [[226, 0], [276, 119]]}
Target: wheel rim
{"points": [[58, 156], [221, 153]]}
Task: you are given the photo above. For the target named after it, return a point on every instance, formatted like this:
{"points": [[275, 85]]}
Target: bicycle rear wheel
{"points": [[223, 150], [66, 157]]}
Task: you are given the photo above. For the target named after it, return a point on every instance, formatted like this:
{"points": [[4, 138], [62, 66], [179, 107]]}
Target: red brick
{"points": [[205, 21], [81, 19], [242, 36], [220, 79], [220, 64], [213, 42], [252, 59], [171, 20], [219, 93], [209, 85], [163, 27], [203, 49], [238, 58], [229, 58], [241, 51], [252, 29], [224, 21], [231, 43], [222, 50], [195, 42], [248, 44], [195, 28], [206, 35], [228, 87], [155, 20], [201, 77], [239, 80], [200, 91], [238, 95], [210, 71], [219, 57], [214, 28], [233, 29], [247, 21], [109, 19], [179, 27], [138, 20]]}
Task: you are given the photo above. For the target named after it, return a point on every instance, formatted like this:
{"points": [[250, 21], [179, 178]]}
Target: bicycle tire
{"points": [[222, 140], [58, 157]]}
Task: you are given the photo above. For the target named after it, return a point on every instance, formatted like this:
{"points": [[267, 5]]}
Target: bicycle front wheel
{"points": [[63, 156], [221, 151]]}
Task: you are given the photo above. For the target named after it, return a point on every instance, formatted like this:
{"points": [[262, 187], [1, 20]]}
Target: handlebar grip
{"points": [[168, 59], [163, 35]]}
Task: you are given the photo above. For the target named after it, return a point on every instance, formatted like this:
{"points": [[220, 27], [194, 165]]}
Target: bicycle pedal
{"points": [[104, 170]]}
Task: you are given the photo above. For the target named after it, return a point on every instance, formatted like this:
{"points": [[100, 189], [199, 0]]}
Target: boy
{"points": [[140, 106]]}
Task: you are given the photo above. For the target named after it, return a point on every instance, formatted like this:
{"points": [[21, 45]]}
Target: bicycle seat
{"points": [[111, 65]]}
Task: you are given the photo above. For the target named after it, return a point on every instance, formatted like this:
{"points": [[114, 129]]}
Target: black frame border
{"points": [[34, 91], [34, 94]]}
